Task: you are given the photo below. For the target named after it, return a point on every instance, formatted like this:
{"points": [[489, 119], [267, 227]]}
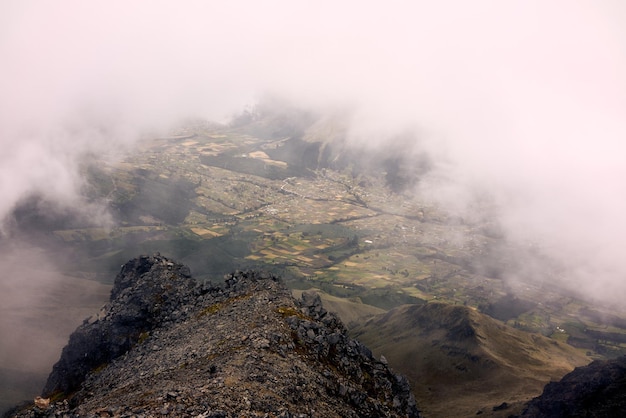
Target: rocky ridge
{"points": [[167, 346], [595, 390]]}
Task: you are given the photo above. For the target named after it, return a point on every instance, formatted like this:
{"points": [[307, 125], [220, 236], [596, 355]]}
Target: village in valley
{"points": [[220, 198]]}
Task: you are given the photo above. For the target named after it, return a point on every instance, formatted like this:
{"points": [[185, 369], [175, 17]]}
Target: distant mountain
{"points": [[167, 346], [461, 362], [597, 390]]}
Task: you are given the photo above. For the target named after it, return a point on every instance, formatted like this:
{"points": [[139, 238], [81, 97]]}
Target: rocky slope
{"points": [[167, 346], [596, 390]]}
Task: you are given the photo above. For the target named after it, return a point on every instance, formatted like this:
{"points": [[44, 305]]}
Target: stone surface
{"points": [[166, 346], [595, 390]]}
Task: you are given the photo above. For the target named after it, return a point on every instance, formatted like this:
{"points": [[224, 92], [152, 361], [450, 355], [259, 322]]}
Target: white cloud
{"points": [[525, 98]]}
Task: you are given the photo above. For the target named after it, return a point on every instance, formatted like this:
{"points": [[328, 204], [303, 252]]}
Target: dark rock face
{"points": [[595, 390], [146, 292], [165, 346]]}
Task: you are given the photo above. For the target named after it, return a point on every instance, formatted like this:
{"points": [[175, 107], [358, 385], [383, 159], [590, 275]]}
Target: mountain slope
{"points": [[349, 311], [165, 346], [455, 353]]}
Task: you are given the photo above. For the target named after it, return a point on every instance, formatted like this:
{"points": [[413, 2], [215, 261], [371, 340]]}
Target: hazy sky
{"points": [[523, 98]]}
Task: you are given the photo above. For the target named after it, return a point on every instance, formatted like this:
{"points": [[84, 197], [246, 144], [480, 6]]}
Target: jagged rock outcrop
{"points": [[166, 346], [146, 293], [595, 390]]}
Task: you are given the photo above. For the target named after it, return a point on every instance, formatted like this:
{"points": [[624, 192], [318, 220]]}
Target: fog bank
{"points": [[523, 99]]}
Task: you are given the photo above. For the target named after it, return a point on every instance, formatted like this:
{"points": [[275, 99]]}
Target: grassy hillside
{"points": [[454, 352]]}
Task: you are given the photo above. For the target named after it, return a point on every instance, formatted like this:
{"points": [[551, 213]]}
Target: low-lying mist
{"points": [[522, 101]]}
